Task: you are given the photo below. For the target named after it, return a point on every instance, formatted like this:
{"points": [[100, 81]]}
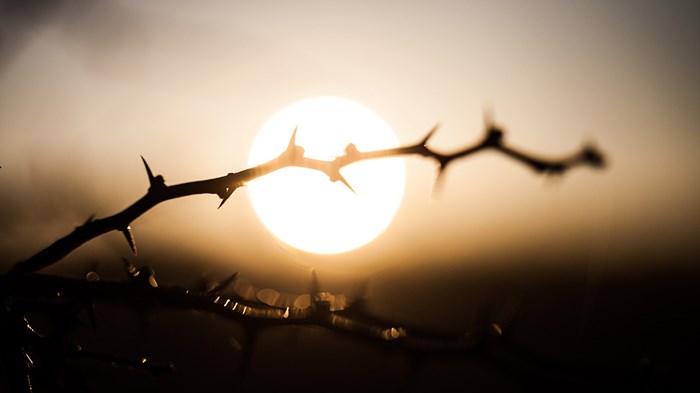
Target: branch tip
{"points": [[593, 156]]}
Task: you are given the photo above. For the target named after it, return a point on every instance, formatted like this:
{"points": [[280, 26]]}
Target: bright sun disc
{"points": [[302, 207]]}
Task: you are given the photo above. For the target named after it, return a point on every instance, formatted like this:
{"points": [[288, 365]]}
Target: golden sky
{"points": [[88, 87]]}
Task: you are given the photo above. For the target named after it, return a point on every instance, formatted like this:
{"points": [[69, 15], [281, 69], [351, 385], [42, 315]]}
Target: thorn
{"points": [[129, 267], [292, 141], [551, 181], [430, 133], [342, 179], [154, 181], [223, 284], [361, 290], [151, 178], [129, 238], [226, 195], [488, 117], [314, 288], [437, 186], [90, 219]]}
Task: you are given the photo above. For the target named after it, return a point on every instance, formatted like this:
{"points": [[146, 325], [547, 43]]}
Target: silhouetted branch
{"points": [[249, 312], [23, 292], [293, 156]]}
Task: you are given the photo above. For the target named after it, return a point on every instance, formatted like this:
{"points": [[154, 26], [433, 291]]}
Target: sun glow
{"points": [[302, 207]]}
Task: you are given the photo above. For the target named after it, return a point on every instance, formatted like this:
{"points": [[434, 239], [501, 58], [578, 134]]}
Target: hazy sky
{"points": [[88, 86]]}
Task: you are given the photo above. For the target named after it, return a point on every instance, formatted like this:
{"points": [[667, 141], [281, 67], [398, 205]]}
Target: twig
{"points": [[293, 156]]}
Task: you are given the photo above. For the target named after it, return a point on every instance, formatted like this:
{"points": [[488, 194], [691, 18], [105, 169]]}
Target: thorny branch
{"points": [[293, 156], [23, 292]]}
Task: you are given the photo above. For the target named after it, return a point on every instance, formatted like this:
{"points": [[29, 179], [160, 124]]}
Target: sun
{"points": [[302, 207]]}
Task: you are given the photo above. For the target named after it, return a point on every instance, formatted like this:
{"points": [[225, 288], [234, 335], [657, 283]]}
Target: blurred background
{"points": [[603, 262]]}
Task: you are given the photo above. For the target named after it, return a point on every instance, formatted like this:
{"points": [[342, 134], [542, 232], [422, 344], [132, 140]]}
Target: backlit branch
{"points": [[293, 156]]}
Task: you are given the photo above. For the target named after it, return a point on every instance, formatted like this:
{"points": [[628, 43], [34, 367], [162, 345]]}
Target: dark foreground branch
{"points": [[293, 156], [489, 340]]}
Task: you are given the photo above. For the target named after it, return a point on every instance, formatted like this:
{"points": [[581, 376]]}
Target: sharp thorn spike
{"points": [[229, 280], [129, 236], [151, 178], [90, 219], [488, 116], [430, 133], [437, 186], [342, 179], [130, 268], [292, 140], [223, 284], [226, 196]]}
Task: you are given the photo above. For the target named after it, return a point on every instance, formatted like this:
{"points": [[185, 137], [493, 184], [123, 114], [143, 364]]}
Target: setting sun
{"points": [[302, 207]]}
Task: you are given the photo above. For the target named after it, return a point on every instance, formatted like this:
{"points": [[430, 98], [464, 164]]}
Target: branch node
{"points": [[351, 153], [494, 137]]}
